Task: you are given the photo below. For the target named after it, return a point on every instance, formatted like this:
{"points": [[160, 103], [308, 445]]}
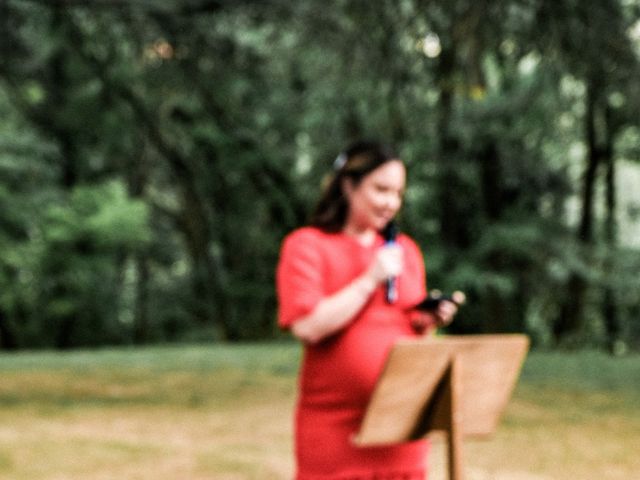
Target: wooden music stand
{"points": [[459, 385]]}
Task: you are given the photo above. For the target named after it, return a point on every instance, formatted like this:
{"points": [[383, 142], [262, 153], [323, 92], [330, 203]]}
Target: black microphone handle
{"points": [[390, 233], [391, 291]]}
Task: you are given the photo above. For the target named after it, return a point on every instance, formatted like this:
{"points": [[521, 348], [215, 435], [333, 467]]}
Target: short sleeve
{"points": [[299, 276]]}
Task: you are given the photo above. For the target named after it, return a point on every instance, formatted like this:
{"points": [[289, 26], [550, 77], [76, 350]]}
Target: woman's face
{"points": [[377, 198]]}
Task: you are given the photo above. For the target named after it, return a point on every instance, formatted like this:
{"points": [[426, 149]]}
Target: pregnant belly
{"points": [[344, 370]]}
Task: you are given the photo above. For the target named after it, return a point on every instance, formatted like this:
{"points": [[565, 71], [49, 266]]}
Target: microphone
{"points": [[389, 233]]}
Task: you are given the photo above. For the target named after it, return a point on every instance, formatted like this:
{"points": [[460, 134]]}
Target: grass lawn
{"points": [[223, 412]]}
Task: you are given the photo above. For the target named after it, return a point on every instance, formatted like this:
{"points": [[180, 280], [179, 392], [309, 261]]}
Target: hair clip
{"points": [[339, 162]]}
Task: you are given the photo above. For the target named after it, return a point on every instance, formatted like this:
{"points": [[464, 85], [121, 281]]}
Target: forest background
{"points": [[153, 154]]}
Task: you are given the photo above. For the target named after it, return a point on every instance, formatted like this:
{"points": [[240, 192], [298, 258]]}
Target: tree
{"points": [[199, 130]]}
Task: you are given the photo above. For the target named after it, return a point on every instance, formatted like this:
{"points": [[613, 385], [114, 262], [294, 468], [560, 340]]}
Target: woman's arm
{"points": [[335, 312]]}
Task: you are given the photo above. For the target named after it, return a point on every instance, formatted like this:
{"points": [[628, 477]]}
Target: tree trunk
{"points": [[496, 308], [69, 156], [8, 339], [452, 232], [585, 232], [610, 306], [572, 311]]}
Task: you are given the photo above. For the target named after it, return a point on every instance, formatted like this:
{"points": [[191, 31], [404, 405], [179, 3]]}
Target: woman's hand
{"points": [[445, 312], [425, 321], [388, 262]]}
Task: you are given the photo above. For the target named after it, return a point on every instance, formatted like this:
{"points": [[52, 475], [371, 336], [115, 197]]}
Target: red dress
{"points": [[338, 374]]}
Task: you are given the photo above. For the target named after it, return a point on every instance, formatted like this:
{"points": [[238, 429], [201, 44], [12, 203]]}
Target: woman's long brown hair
{"points": [[356, 162]]}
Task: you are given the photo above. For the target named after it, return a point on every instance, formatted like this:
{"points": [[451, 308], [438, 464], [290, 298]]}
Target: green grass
{"points": [[175, 375], [224, 412], [583, 371], [277, 356]]}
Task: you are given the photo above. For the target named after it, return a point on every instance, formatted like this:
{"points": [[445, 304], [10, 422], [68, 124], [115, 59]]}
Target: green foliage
{"points": [[153, 156], [85, 240], [103, 216]]}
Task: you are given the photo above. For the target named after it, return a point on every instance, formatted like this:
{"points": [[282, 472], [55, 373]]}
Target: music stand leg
{"points": [[452, 399]]}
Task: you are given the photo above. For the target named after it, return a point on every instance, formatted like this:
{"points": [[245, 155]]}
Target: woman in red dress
{"points": [[331, 290]]}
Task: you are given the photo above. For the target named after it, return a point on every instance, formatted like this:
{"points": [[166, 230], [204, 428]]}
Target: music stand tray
{"points": [[459, 385]]}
